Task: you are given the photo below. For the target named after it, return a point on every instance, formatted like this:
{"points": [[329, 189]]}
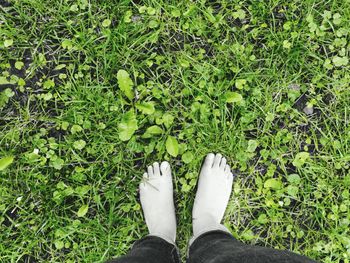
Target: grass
{"points": [[93, 91]]}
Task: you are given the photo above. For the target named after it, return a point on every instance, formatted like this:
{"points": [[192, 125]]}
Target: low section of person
{"points": [[211, 241]]}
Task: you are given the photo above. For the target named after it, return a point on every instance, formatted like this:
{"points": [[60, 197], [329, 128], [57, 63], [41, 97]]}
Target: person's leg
{"points": [[150, 249], [156, 194], [221, 247], [212, 242]]}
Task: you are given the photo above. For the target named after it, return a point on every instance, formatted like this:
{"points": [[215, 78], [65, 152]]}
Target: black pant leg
{"points": [[222, 247], [150, 249]]}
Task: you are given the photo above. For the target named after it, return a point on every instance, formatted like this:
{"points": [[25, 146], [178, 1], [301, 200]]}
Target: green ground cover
{"points": [[93, 91]]}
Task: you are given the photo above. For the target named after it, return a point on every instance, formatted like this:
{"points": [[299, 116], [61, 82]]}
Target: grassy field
{"points": [[93, 91]]}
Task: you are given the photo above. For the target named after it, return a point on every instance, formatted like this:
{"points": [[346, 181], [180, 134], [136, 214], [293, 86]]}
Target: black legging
{"points": [[210, 247]]}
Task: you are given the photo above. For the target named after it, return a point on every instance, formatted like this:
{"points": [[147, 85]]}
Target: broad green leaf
{"points": [[127, 126], [5, 161], [337, 19], [21, 82], [300, 159], [125, 83], [83, 210], [59, 244], [248, 235], [79, 145], [252, 145], [4, 81], [106, 23], [233, 97], [67, 44], [240, 83], [273, 183], [185, 188], [60, 66], [340, 61], [153, 130], [293, 178], [287, 25], [142, 9], [292, 190], [270, 117], [47, 96], [187, 157], [19, 65], [8, 42], [240, 13], [49, 84], [146, 107], [74, 8], [64, 125], [262, 219], [176, 13], [82, 190], [172, 146], [287, 44], [127, 16], [153, 24], [346, 182], [168, 119], [57, 163], [151, 10], [327, 14], [9, 93], [75, 129]]}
